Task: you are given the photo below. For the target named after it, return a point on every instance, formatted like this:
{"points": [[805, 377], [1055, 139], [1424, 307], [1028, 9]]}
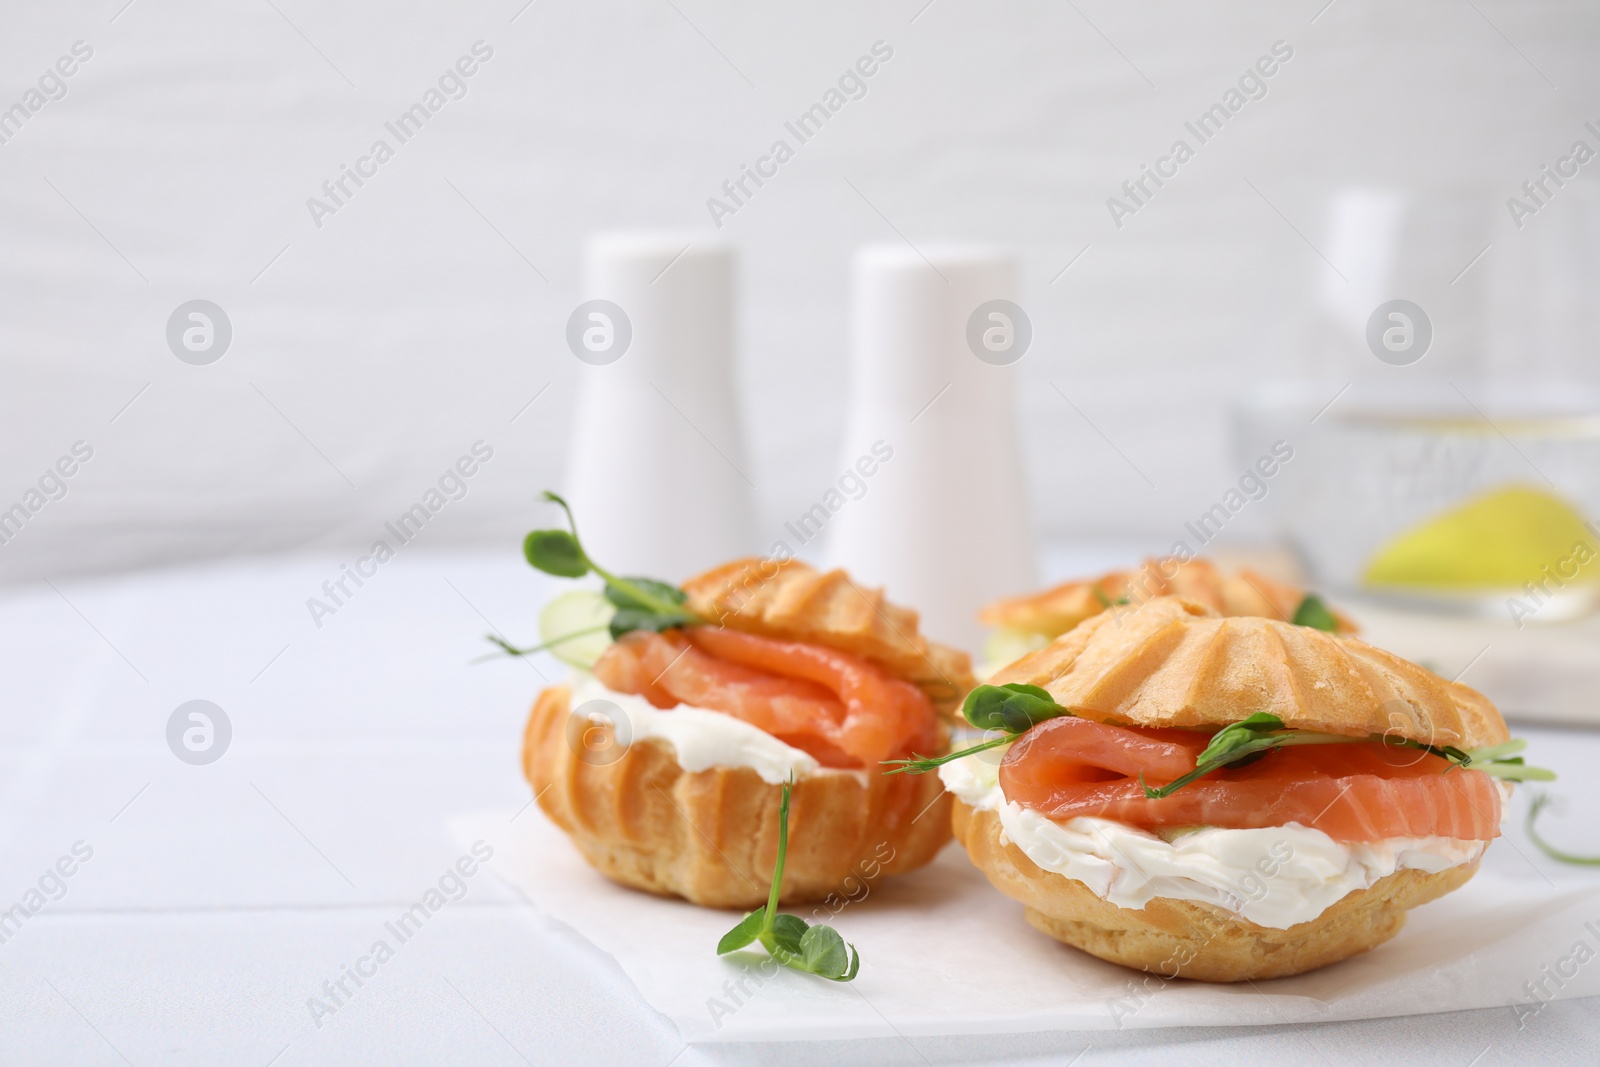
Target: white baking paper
{"points": [[942, 952]]}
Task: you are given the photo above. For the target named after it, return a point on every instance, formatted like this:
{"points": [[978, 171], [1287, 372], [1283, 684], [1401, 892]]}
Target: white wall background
{"points": [[410, 325]]}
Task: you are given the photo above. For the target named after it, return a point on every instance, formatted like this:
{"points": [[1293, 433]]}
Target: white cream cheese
{"points": [[701, 738], [1275, 877]]}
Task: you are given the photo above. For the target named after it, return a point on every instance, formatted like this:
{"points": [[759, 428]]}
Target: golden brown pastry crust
{"points": [[1058, 609], [1172, 662], [1185, 939], [787, 599], [711, 836]]}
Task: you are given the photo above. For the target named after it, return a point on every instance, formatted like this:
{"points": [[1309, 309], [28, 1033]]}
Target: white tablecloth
{"points": [[219, 899]]}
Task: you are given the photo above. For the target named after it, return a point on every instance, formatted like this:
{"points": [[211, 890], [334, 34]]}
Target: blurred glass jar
{"points": [[1439, 496]]}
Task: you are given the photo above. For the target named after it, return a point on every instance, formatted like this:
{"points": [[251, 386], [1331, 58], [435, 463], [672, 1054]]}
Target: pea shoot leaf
{"points": [[1105, 601], [1314, 613], [788, 931], [555, 552], [1240, 743], [642, 603], [747, 931], [644, 593], [1014, 707], [627, 620], [817, 950], [824, 952], [1230, 739], [646, 604]]}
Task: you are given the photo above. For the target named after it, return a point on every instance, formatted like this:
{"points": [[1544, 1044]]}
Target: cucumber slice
{"points": [[571, 613]]}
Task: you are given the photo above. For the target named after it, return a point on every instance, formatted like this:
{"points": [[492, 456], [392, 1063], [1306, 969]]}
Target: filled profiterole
{"points": [[1224, 798], [665, 756]]}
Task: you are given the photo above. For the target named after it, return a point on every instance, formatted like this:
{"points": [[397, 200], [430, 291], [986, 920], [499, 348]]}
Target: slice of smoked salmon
{"points": [[841, 709], [1362, 791], [884, 716]]}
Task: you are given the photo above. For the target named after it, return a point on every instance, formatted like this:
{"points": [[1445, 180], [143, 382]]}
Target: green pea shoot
{"points": [[639, 603], [817, 950]]}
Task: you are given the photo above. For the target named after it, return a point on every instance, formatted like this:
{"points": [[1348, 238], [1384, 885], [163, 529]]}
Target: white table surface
{"points": [[219, 898]]}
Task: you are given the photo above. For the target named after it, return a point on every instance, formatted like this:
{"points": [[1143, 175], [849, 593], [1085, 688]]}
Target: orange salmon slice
{"points": [[1363, 791], [839, 708]]}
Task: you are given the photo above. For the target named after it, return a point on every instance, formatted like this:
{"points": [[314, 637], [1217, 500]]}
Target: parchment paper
{"points": [[943, 952]]}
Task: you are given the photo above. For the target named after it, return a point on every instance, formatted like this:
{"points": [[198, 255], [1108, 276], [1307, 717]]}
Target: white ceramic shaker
{"points": [[944, 523], [657, 472]]}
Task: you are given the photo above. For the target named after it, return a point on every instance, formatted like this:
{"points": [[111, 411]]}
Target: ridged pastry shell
{"points": [[711, 836], [790, 600], [1180, 938], [1172, 662], [1058, 609]]}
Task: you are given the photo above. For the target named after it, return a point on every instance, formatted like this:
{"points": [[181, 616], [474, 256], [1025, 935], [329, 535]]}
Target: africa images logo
{"points": [[452, 485], [52, 86], [1252, 85], [451, 85], [199, 332], [852, 85]]}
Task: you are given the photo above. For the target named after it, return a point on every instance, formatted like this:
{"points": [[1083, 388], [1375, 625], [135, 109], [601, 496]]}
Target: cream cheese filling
{"points": [[1274, 877], [700, 737]]}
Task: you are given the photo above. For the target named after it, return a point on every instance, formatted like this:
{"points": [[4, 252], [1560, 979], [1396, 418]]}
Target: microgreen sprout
{"points": [[1541, 802], [793, 942], [512, 650], [1106, 601], [641, 603], [1252, 738], [1314, 613], [1243, 741], [1013, 709]]}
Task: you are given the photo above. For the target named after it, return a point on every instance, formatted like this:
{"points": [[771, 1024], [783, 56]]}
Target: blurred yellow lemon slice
{"points": [[1499, 540]]}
